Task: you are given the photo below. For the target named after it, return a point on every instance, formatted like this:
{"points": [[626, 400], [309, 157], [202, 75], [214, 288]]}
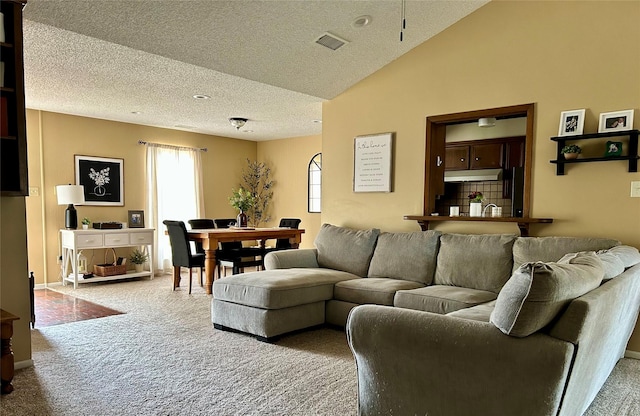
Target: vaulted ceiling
{"points": [[142, 61]]}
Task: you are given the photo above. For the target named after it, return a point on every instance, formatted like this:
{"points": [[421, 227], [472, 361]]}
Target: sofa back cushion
{"points": [[345, 249], [406, 256], [481, 262], [537, 291], [550, 249]]}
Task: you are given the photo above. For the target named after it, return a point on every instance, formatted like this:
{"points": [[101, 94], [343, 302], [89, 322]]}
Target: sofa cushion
{"points": [[536, 292], [482, 262], [546, 249], [441, 299], [611, 264], [277, 289], [345, 249], [629, 256], [480, 312], [407, 256], [376, 290]]}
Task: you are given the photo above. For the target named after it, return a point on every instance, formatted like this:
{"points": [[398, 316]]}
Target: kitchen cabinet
{"points": [[480, 154], [13, 136]]}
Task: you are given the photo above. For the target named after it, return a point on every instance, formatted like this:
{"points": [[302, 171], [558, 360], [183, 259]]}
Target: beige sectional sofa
{"points": [[449, 324]]}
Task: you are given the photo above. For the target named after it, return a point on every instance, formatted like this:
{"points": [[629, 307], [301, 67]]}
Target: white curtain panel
{"points": [[173, 192]]}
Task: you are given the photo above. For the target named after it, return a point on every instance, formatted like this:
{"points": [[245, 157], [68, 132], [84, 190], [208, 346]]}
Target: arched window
{"points": [[315, 182]]}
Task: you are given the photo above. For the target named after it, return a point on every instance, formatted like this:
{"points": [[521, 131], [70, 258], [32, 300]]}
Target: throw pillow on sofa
{"points": [[536, 292], [629, 256], [611, 264], [406, 256], [345, 249]]}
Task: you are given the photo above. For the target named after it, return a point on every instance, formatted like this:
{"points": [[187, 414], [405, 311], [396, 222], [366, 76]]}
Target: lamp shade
{"points": [[70, 194]]}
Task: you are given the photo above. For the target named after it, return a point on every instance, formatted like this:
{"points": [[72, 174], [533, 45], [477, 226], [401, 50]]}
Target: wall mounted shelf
{"points": [[523, 223], [631, 156]]}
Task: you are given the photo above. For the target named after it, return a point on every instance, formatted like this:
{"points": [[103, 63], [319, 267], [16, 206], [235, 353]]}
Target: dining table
{"points": [[210, 238]]}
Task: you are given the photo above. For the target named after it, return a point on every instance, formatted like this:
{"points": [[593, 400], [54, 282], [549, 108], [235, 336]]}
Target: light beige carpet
{"points": [[162, 357]]}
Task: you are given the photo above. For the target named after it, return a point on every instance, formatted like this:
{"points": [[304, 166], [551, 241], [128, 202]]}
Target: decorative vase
{"points": [[139, 268], [569, 156], [242, 219], [475, 209]]}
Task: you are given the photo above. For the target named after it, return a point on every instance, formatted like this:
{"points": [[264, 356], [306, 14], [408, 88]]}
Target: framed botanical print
{"points": [[102, 178]]}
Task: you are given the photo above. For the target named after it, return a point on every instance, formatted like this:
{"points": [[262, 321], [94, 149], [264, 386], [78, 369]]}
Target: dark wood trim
{"points": [[523, 222], [435, 133]]}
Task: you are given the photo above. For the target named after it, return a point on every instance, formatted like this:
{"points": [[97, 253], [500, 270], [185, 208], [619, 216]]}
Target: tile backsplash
{"points": [[456, 194]]}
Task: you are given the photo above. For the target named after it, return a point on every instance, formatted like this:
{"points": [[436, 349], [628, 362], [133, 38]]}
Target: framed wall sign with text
{"points": [[372, 163]]}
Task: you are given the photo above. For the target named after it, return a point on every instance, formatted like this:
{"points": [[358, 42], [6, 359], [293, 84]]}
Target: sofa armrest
{"points": [[289, 259], [413, 362]]}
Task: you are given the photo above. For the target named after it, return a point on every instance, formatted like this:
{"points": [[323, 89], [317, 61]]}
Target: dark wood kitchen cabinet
{"points": [[13, 131], [479, 154]]}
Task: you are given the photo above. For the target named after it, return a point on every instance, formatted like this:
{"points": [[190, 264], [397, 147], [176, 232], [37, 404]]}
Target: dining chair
{"points": [[201, 224], [284, 243], [181, 255], [233, 254]]}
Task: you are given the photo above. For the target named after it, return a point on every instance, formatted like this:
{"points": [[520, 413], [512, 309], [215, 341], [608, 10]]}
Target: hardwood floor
{"points": [[55, 308]]}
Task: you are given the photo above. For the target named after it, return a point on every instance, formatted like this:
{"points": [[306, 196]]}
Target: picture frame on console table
{"points": [[102, 178], [372, 163], [571, 123], [615, 121], [136, 219]]}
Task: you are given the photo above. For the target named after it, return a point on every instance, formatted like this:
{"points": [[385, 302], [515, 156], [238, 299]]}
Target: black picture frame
{"points": [[136, 219], [102, 178]]}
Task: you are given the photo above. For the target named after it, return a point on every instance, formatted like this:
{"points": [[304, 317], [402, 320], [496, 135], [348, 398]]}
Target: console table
{"points": [[75, 240]]}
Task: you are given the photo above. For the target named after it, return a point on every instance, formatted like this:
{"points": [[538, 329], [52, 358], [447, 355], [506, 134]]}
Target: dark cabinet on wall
{"points": [[13, 135]]}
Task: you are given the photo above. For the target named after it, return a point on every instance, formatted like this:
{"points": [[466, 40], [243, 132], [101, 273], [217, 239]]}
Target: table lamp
{"points": [[70, 194]]}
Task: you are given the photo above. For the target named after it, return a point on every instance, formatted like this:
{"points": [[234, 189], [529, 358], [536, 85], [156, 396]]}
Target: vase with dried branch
{"points": [[256, 178]]}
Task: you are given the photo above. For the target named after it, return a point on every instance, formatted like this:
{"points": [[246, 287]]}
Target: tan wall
{"points": [[14, 285], [54, 139], [289, 160], [559, 55]]}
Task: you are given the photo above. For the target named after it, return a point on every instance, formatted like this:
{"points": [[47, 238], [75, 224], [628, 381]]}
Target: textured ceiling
{"points": [[255, 59]]}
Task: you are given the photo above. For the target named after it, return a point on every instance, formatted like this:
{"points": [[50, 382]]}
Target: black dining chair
{"points": [[284, 243], [232, 254], [181, 255], [201, 224]]}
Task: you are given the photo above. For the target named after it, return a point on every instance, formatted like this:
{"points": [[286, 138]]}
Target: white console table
{"points": [[75, 240]]}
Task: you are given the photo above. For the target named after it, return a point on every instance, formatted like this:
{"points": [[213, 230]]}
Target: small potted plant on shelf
{"points": [[571, 151], [138, 258], [85, 223]]}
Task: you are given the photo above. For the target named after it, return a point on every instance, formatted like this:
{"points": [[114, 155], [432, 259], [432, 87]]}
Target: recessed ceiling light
{"points": [[136, 112], [361, 21], [247, 131], [201, 97], [317, 121]]}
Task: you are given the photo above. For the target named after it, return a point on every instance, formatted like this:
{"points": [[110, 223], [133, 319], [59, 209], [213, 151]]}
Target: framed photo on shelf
{"points": [[615, 121], [613, 149], [136, 219], [102, 178], [571, 123], [372, 163]]}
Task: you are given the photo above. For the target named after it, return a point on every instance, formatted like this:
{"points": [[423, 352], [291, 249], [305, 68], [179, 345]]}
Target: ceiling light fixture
{"points": [[317, 121], [487, 122], [237, 122], [201, 97], [361, 21], [136, 112]]}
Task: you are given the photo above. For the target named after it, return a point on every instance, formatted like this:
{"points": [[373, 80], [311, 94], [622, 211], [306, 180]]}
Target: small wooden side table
{"points": [[6, 359]]}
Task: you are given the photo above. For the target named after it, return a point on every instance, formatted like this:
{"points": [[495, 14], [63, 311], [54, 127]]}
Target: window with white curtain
{"points": [[315, 183], [174, 191]]}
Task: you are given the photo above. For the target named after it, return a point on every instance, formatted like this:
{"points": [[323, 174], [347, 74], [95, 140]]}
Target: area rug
{"points": [[162, 357]]}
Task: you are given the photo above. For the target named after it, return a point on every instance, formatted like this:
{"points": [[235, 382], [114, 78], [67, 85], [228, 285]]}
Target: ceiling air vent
{"points": [[331, 41]]}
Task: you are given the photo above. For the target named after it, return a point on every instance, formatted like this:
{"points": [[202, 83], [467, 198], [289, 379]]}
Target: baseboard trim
{"points": [[632, 354], [41, 286], [23, 364]]}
